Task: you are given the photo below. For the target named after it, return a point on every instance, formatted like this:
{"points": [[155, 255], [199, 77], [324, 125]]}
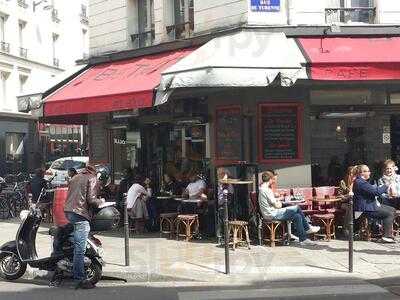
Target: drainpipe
{"points": [[288, 2]]}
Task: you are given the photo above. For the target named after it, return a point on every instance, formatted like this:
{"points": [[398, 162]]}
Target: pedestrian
{"points": [[81, 199]]}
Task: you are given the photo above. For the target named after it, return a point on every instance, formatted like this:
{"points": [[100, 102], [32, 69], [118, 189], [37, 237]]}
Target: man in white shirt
{"points": [[271, 208]]}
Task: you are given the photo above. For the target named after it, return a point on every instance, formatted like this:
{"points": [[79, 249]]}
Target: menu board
{"points": [[280, 131], [228, 133]]}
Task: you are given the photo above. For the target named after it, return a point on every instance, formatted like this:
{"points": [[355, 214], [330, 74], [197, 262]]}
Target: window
{"points": [[4, 46], [22, 83], [23, 52], [348, 11], [145, 35], [56, 62], [84, 17], [14, 145], [3, 77], [183, 19]]}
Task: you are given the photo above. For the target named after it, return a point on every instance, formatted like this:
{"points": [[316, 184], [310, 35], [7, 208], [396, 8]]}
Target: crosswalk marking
{"points": [[357, 289]]}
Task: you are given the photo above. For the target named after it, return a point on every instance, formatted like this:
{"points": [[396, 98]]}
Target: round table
{"points": [[164, 197], [326, 200]]}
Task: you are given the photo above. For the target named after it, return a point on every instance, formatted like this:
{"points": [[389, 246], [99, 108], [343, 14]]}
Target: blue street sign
{"points": [[265, 5]]}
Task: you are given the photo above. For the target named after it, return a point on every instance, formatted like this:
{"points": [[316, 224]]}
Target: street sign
{"points": [[266, 5]]}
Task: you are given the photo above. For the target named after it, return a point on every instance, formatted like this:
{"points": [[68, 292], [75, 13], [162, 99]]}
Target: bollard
{"points": [[226, 230], [351, 233], [126, 230]]}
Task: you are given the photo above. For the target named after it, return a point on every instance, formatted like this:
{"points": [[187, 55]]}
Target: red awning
{"points": [[353, 58], [119, 85]]}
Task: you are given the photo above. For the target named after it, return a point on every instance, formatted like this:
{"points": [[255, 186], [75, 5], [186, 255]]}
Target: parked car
{"points": [[59, 168]]}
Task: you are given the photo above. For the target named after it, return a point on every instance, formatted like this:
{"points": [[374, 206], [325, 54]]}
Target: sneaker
{"points": [[294, 238], [388, 240], [85, 284], [313, 229], [307, 242]]}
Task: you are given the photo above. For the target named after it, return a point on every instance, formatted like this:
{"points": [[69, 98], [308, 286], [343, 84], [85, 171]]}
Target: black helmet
{"points": [[105, 219]]}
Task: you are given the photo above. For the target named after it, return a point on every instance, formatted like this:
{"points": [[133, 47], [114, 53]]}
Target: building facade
{"points": [[38, 41]]}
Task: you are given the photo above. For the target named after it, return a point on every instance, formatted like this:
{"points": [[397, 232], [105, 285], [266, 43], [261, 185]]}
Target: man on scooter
{"points": [[81, 198]]}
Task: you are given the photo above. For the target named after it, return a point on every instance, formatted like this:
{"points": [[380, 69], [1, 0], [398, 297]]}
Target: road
{"points": [[299, 289]]}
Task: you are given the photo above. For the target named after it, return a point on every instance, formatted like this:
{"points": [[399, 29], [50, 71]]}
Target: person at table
{"points": [[365, 201], [345, 192], [223, 174], [196, 190], [136, 201], [392, 180], [271, 209], [169, 185]]}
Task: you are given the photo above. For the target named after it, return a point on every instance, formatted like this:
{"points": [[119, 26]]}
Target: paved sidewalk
{"points": [[155, 260]]}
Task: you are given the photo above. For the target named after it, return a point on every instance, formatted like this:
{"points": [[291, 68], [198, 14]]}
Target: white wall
{"points": [[38, 40]]}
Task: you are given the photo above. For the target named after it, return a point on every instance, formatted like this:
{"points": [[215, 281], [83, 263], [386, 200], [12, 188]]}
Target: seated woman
{"points": [[365, 201], [136, 202], [271, 208], [346, 191], [169, 184], [392, 180]]}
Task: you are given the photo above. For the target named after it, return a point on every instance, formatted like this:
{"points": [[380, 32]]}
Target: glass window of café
{"points": [[349, 127]]}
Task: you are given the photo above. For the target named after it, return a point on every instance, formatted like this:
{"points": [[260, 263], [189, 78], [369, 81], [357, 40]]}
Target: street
{"points": [[326, 288]]}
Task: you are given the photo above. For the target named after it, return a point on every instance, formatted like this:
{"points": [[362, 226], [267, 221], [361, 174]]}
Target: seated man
{"points": [[365, 201], [271, 208], [195, 190]]}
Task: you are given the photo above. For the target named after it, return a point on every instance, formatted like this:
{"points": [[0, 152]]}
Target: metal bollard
{"points": [[226, 229], [126, 230], [351, 233]]}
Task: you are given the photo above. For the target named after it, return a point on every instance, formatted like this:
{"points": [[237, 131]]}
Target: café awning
{"points": [[114, 86], [243, 59], [355, 58]]}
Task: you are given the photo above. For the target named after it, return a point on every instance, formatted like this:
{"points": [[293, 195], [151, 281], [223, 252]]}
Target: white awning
{"points": [[243, 59]]}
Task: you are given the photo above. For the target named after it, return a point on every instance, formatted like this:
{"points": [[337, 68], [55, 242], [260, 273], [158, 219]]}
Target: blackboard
{"points": [[228, 133], [280, 132]]}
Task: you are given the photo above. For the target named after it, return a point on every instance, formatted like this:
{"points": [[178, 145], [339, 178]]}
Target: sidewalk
{"points": [[155, 259]]}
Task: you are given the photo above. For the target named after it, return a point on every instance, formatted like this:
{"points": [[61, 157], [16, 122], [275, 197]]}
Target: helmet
{"points": [[105, 219], [103, 175]]}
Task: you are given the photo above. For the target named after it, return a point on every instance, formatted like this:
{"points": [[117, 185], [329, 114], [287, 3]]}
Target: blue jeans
{"points": [[81, 233], [294, 214]]}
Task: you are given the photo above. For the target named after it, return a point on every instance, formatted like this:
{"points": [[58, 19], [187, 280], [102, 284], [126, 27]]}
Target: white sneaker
{"points": [[307, 242], [388, 240], [313, 229], [294, 238]]}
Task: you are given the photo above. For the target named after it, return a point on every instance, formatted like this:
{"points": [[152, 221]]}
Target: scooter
{"points": [[16, 255]]}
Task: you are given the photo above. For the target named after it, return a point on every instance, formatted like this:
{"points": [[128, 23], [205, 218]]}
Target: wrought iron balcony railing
{"points": [[347, 15], [145, 38], [84, 19], [54, 15], [181, 31], [56, 62], [22, 3]]}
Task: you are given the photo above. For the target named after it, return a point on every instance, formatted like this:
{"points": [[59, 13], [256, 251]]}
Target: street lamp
{"points": [[46, 7]]}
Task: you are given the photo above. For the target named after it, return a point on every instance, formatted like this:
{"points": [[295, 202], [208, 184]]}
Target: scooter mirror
{"points": [[23, 214]]}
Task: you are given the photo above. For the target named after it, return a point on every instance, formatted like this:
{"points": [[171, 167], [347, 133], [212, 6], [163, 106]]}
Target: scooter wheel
{"points": [[94, 272], [11, 267]]}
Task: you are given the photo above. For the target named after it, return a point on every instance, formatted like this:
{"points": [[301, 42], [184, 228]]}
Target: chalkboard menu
{"points": [[280, 131], [228, 133]]}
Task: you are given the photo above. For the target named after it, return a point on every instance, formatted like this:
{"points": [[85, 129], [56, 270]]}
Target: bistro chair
{"points": [[326, 192], [189, 224], [327, 223], [237, 228], [274, 231], [167, 223]]}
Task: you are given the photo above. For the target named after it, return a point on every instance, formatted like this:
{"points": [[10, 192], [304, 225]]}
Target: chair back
{"points": [[325, 191], [255, 208]]}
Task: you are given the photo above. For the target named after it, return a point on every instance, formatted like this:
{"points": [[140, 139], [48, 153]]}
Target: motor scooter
{"points": [[16, 255]]}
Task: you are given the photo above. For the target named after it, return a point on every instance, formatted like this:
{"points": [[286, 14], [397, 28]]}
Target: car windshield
{"points": [[64, 165]]}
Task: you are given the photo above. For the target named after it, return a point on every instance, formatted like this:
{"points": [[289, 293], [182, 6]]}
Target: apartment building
{"points": [[39, 39], [200, 79]]}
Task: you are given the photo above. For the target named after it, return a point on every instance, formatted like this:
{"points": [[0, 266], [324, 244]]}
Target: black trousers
{"points": [[386, 214]]}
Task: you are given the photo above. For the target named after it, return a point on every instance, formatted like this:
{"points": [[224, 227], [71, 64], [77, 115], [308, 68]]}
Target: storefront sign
{"points": [[280, 132], [119, 142], [265, 5], [228, 135]]}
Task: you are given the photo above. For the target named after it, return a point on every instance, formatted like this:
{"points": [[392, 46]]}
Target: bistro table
{"points": [[164, 204], [326, 201]]}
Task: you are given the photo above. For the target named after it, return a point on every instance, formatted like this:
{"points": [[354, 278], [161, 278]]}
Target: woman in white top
{"points": [[392, 180], [136, 201]]}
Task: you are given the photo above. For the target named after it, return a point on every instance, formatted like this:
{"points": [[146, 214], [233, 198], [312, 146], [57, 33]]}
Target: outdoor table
{"points": [[164, 197], [292, 202], [164, 203]]}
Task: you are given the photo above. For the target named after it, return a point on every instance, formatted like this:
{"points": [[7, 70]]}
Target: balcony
{"points": [[22, 3], [5, 47], [349, 15], [84, 19], [144, 39], [56, 62], [54, 15], [23, 52], [180, 31]]}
